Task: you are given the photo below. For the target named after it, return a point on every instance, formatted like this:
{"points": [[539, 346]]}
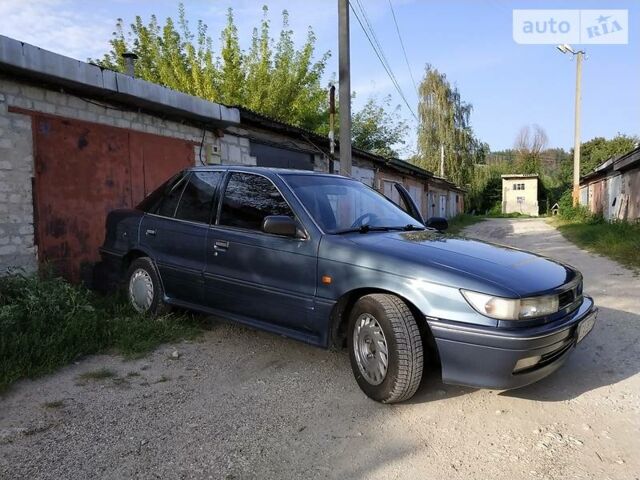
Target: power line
{"points": [[404, 52], [382, 56], [375, 44]]}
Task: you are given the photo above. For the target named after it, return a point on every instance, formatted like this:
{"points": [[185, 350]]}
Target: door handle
{"points": [[220, 245], [150, 232]]}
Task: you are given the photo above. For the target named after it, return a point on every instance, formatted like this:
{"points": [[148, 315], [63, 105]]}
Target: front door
{"points": [[264, 277]]}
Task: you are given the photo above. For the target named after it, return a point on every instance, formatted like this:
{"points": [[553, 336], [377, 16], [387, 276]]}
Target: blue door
{"points": [[176, 234], [264, 277]]}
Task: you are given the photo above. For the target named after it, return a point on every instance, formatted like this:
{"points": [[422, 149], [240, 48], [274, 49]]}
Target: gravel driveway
{"points": [[244, 404]]}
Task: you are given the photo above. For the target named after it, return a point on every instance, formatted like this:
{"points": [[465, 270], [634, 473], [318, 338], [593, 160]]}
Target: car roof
{"points": [[263, 170]]}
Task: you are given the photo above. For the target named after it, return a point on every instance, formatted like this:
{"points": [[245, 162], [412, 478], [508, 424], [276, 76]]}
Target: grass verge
{"points": [[619, 241], [457, 223], [46, 323]]}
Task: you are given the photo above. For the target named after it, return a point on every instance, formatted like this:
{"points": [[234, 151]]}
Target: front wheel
{"points": [[144, 288], [385, 348]]}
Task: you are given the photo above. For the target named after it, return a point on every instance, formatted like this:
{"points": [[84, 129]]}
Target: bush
{"points": [[496, 210], [46, 323], [578, 213]]}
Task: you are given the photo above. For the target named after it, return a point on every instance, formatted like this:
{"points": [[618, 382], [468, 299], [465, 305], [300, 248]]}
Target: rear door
{"points": [[265, 277], [176, 233]]}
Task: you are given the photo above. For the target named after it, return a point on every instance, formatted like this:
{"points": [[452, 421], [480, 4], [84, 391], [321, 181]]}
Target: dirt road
{"points": [[243, 404]]}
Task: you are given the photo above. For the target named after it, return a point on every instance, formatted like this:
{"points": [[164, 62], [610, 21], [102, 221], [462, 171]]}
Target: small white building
{"points": [[520, 194]]}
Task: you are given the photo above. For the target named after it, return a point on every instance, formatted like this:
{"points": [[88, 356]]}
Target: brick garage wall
{"points": [[17, 248]]}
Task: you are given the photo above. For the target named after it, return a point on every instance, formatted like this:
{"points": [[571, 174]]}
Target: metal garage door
{"points": [[85, 170], [278, 157]]}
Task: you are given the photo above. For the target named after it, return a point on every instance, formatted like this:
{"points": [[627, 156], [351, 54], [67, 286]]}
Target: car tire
{"points": [[144, 288], [380, 323]]}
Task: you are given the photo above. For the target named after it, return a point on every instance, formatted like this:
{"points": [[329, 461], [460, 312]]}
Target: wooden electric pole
{"points": [[344, 77]]}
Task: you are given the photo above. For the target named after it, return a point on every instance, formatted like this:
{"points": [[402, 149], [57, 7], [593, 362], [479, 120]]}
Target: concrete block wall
{"points": [[17, 164], [17, 248]]}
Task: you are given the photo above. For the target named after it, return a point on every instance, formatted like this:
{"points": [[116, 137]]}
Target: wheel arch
{"points": [[131, 256], [339, 320]]}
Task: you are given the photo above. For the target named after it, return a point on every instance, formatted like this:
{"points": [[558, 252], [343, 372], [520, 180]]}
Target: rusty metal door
{"points": [[85, 170]]}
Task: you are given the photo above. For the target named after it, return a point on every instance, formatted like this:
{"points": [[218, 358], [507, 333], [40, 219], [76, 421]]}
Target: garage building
{"points": [[77, 141]]}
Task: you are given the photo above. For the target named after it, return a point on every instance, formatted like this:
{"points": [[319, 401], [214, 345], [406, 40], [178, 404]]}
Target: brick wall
{"points": [[16, 155]]}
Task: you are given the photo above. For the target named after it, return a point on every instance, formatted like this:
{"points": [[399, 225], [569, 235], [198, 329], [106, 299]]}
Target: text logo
{"points": [[571, 26]]}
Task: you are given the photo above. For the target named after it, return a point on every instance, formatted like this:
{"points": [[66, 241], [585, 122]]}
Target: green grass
{"points": [[457, 223], [619, 241], [100, 374], [46, 323]]}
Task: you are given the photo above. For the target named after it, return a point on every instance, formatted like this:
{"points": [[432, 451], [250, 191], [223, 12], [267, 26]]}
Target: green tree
{"points": [[273, 78], [378, 127], [599, 149], [444, 121]]}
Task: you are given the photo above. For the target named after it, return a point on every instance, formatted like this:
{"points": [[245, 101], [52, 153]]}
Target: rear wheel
{"points": [[144, 288], [385, 348]]}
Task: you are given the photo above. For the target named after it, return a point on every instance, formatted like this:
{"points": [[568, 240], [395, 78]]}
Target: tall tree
{"points": [[273, 78], [529, 145], [444, 121], [378, 128]]}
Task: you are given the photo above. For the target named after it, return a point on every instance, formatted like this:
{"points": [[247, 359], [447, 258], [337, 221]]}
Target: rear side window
{"points": [[171, 197], [151, 202], [248, 199], [197, 197]]}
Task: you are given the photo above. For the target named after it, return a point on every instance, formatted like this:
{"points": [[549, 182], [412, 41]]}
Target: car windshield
{"points": [[341, 205]]}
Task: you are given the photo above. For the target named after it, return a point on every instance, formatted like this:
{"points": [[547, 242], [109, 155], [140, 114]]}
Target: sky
{"points": [[509, 85]]}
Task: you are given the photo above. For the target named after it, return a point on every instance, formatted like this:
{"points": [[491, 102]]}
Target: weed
{"points": [[45, 323], [617, 240], [100, 374]]}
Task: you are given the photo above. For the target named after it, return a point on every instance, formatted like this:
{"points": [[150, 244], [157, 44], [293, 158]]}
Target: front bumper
{"points": [[487, 356]]}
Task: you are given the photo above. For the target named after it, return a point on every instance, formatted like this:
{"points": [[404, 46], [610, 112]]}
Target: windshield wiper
{"points": [[365, 229], [370, 228], [411, 227]]}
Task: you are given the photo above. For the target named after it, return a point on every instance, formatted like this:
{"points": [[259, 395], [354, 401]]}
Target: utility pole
{"points": [[579, 55], [576, 131], [332, 134], [344, 77], [442, 160]]}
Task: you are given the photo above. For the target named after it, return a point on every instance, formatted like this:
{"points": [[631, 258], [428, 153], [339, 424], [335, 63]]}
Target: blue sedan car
{"points": [[327, 260]]}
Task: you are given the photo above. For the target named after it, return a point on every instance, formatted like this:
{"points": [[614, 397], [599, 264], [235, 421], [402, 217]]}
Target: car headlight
{"points": [[511, 308]]}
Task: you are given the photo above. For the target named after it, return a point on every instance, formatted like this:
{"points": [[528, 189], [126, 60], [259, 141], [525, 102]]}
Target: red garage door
{"points": [[83, 171]]}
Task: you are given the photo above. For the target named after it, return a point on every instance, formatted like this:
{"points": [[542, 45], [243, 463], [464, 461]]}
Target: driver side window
{"points": [[248, 199]]}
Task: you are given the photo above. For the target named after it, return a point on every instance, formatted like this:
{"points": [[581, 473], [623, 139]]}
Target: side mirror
{"points": [[439, 223], [280, 225]]}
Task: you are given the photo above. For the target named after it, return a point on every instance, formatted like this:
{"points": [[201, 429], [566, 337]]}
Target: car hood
{"points": [[520, 272]]}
